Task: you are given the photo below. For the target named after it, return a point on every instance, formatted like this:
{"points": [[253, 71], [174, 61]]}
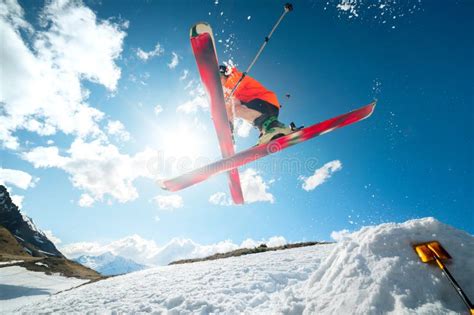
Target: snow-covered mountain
{"points": [[372, 271], [108, 264], [27, 251], [33, 241]]}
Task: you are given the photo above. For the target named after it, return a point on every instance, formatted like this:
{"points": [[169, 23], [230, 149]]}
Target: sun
{"points": [[183, 142]]}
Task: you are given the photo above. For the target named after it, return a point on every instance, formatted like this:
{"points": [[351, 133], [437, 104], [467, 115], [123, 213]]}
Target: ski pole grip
{"points": [[288, 7]]}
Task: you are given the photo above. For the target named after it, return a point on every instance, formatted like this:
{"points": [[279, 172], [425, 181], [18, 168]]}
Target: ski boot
{"points": [[272, 129]]}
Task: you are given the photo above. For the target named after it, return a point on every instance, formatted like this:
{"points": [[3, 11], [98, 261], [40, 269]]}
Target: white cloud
{"points": [[133, 247], [41, 80], [97, 168], [45, 157], [86, 201], [174, 60], [17, 178], [184, 75], [168, 202], [148, 252], [254, 188], [320, 175], [49, 234], [179, 248], [199, 99], [274, 241], [117, 129], [220, 199], [158, 109], [18, 200], [82, 44], [242, 128], [75, 250], [13, 12], [193, 105], [190, 85], [145, 55], [140, 78]]}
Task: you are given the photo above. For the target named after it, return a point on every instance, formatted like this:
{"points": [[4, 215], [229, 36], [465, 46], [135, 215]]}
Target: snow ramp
{"points": [[376, 271]]}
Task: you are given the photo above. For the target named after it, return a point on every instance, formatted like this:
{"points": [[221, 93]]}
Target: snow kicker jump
{"points": [[274, 136]]}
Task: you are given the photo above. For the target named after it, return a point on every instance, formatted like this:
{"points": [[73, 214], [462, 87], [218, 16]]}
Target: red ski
{"points": [[204, 50], [257, 152]]}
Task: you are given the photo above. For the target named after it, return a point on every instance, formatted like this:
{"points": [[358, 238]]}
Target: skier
{"points": [[254, 103]]}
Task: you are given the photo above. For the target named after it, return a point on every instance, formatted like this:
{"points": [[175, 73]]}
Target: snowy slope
{"points": [[19, 286], [109, 264], [372, 271], [258, 283]]}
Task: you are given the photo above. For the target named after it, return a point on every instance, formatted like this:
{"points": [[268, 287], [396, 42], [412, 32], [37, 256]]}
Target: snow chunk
{"points": [[371, 10]]}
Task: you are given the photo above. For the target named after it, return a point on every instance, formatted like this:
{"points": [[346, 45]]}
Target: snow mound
{"points": [[376, 271]]}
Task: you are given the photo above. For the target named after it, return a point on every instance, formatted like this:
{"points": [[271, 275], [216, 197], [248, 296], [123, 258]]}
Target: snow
{"points": [[42, 264], [372, 271], [19, 286], [38, 239], [376, 270], [47, 253], [11, 262], [30, 223], [375, 10], [347, 6], [259, 283]]}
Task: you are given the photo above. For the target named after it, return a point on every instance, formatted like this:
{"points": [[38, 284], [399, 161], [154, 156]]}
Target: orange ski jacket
{"points": [[249, 89]]}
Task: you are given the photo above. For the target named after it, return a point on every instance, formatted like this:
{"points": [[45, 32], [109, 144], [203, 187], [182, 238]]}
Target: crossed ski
{"points": [[204, 50]]}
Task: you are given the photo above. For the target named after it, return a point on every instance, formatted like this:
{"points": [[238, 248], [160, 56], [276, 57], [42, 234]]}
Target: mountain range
{"points": [[109, 264]]}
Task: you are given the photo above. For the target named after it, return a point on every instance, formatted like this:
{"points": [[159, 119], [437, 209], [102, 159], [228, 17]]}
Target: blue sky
{"points": [[92, 182]]}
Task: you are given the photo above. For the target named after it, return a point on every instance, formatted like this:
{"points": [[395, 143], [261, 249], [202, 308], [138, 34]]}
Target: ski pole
{"points": [[288, 7]]}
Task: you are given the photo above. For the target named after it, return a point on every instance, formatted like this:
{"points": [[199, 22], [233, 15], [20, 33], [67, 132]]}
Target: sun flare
{"points": [[183, 142]]}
